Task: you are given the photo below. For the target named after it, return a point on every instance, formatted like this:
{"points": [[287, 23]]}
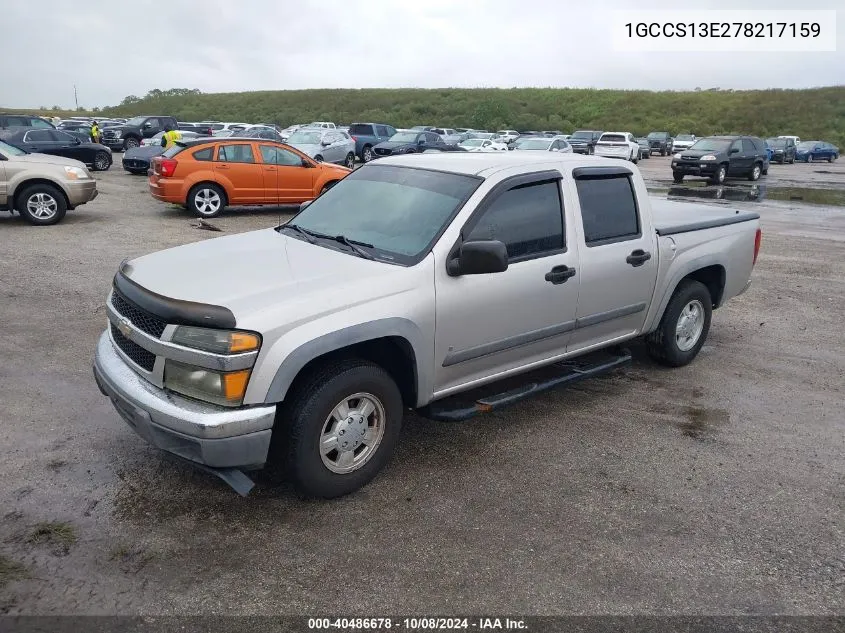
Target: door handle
{"points": [[269, 169], [222, 167], [638, 257], [559, 274]]}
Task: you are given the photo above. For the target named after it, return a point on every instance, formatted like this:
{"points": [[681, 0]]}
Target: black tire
{"points": [[102, 161], [792, 160], [663, 152], [719, 177], [304, 414], [201, 200], [662, 344], [36, 200], [677, 178], [350, 161], [367, 153], [591, 150], [830, 159], [755, 172], [130, 142]]}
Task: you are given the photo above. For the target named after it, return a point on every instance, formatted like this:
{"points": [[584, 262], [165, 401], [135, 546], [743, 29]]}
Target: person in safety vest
{"points": [[95, 132], [170, 136]]}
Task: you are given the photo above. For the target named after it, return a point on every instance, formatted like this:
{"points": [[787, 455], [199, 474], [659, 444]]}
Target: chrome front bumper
{"points": [[203, 433]]}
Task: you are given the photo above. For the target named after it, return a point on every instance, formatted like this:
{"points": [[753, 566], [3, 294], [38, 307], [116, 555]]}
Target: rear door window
{"points": [[241, 153], [38, 136], [608, 209]]}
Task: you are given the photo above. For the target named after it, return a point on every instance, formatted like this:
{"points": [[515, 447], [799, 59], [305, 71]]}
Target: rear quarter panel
{"points": [[731, 247]]}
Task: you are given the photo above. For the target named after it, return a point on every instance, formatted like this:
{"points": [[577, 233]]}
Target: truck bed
{"points": [[671, 217]]}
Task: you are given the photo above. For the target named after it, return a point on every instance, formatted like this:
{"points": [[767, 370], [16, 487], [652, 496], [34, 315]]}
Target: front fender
{"points": [[304, 353]]}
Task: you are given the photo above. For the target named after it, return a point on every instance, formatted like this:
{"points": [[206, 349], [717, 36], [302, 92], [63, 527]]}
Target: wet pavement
{"points": [[714, 488]]}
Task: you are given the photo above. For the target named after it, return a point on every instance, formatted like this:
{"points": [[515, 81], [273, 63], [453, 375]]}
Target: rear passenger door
{"points": [[242, 175], [738, 161], [492, 323], [618, 259]]}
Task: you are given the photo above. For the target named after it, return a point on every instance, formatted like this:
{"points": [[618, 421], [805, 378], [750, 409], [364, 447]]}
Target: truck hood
{"points": [[251, 273]]}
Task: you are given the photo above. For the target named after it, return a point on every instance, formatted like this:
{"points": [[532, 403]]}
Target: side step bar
{"points": [[485, 399]]}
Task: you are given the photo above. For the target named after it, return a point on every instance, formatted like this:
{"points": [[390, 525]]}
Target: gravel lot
{"points": [[718, 488]]}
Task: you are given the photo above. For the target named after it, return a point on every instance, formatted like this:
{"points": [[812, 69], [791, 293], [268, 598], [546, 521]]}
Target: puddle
{"points": [[754, 193], [701, 422]]}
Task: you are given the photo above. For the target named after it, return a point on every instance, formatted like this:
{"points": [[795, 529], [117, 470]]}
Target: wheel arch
{"points": [[710, 273], [191, 185], [17, 187], [392, 343]]}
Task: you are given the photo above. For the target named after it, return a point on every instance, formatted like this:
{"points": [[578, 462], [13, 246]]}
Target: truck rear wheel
{"points": [[339, 427], [684, 326]]}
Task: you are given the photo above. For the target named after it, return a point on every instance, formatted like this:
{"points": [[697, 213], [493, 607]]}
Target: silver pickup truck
{"points": [[448, 284]]}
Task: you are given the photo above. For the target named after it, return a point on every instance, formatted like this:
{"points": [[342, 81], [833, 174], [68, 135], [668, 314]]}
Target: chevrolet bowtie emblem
{"points": [[125, 326]]}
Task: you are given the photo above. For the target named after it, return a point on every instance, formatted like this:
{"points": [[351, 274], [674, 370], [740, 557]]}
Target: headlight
{"points": [[707, 157], [216, 341], [678, 155], [226, 389], [76, 173]]}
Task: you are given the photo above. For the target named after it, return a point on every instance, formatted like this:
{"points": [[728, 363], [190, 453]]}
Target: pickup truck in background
{"points": [[308, 346], [122, 137], [660, 142], [367, 136]]}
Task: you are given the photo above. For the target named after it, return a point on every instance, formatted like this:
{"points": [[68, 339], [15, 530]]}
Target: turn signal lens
{"points": [[216, 341], [234, 385]]}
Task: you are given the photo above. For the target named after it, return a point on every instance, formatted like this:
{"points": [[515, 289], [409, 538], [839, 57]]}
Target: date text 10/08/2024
{"points": [[417, 624]]}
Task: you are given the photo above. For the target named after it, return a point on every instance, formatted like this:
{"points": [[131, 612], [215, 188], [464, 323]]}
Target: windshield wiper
{"points": [[353, 244], [303, 232]]}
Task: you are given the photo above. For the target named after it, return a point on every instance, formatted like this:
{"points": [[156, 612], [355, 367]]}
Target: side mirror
{"points": [[421, 141], [734, 150], [479, 258], [147, 125], [325, 143], [304, 205], [307, 163]]}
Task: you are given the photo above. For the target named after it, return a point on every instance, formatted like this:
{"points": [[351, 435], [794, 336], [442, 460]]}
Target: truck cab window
{"points": [[608, 210], [528, 219]]}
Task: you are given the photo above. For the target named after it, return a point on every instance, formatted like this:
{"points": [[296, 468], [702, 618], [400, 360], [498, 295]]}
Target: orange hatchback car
{"points": [[207, 175]]}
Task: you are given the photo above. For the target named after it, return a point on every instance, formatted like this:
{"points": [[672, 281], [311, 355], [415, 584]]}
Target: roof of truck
{"points": [[481, 164]]}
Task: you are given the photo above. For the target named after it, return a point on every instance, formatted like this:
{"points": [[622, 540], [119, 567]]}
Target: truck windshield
{"points": [[586, 135], [137, 121], [397, 210], [658, 135]]}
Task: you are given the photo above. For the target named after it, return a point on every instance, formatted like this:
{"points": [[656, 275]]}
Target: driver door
{"points": [[487, 324], [286, 179]]}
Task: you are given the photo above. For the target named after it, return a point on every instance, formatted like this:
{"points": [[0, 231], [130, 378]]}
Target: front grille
{"points": [[383, 152], [141, 319], [137, 354]]}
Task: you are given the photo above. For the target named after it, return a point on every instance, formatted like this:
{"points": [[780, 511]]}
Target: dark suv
{"points": [[584, 141], [783, 149], [717, 157], [660, 142], [129, 135], [367, 136]]}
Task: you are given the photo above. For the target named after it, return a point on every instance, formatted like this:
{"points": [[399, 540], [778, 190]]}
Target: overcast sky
{"points": [[112, 48]]}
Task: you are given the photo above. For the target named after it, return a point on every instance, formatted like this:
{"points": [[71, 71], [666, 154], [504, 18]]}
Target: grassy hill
{"points": [[816, 113]]}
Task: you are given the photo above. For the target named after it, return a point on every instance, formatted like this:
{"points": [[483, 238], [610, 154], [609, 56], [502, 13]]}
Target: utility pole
{"points": [[75, 98]]}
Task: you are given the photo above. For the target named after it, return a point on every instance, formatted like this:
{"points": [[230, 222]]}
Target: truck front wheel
{"points": [[684, 326], [339, 427]]}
